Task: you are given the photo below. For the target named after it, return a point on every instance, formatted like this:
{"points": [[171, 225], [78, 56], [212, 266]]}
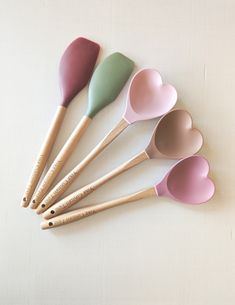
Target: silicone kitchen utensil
{"points": [[173, 138], [147, 98], [187, 182], [76, 66], [106, 83]]}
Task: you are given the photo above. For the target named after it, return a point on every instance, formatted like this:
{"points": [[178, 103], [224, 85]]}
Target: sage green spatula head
{"points": [[107, 82]]}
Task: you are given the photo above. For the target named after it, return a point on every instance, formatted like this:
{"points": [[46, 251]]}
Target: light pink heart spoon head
{"points": [[188, 181], [174, 137], [148, 97]]}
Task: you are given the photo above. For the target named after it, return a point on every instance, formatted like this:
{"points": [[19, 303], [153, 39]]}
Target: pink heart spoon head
{"points": [[188, 181], [148, 97], [174, 137], [76, 67]]}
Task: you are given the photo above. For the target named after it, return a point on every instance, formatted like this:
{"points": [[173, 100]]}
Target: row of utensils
{"points": [[174, 137]]}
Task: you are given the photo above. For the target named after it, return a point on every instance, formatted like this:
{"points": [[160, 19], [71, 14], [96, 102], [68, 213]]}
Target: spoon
{"points": [[147, 98], [76, 66], [106, 83], [186, 182], [172, 138]]}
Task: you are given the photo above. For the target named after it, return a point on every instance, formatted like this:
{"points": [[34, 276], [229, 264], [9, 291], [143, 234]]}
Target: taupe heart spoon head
{"points": [[174, 137]]}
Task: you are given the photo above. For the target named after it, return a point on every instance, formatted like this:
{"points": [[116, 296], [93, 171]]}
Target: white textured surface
{"points": [[150, 252]]}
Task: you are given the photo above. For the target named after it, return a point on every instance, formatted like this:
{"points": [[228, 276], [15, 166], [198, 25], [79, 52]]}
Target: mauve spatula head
{"points": [[188, 181], [76, 67], [174, 137]]}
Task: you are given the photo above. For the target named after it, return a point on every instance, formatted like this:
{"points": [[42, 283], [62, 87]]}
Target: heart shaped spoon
{"points": [[187, 182], [157, 98], [173, 137], [76, 66], [106, 83]]}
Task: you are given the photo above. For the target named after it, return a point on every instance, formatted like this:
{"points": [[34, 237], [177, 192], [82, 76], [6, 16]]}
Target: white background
{"points": [[152, 252]]}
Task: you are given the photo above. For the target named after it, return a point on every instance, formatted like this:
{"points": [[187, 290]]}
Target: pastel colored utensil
{"points": [[173, 138], [187, 182], [76, 67], [147, 98], [106, 83]]}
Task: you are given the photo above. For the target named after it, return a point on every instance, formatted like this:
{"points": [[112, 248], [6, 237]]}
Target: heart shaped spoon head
{"points": [[188, 181], [107, 82], [76, 67], [174, 137], [148, 97]]}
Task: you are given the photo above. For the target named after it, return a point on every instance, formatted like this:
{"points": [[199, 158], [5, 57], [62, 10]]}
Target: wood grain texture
{"points": [[78, 195], [43, 155], [63, 185], [60, 161], [91, 210], [152, 252]]}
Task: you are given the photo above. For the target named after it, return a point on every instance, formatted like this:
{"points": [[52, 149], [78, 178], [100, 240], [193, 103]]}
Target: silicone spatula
{"points": [[147, 98], [75, 70], [106, 83]]}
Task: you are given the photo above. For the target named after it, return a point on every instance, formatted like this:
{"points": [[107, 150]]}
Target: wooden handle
{"points": [[60, 161], [73, 198], [63, 185], [43, 155], [90, 210]]}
